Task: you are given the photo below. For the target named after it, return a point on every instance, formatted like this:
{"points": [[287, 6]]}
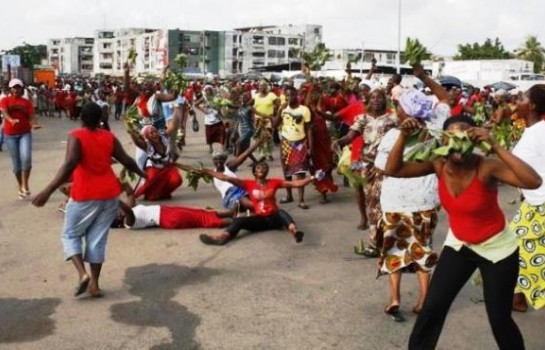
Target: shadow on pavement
{"points": [[26, 320], [156, 285]]}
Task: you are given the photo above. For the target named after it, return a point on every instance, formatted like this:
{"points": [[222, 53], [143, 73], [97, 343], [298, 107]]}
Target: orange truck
{"points": [[45, 75]]}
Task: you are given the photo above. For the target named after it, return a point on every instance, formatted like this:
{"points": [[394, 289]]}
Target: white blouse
{"points": [[404, 194]]}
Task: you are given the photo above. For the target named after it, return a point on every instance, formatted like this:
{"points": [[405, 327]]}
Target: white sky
{"points": [[439, 24]]}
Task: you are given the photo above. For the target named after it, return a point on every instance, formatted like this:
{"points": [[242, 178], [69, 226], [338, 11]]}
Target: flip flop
{"points": [[286, 200], [303, 206], [394, 313], [82, 286]]}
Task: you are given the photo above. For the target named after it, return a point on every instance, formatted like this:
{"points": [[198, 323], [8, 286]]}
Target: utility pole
{"points": [[362, 57], [203, 54], [398, 61]]}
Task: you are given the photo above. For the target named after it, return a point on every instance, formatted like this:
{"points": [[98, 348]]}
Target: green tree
{"points": [[317, 57], [532, 50], [30, 54], [488, 50]]}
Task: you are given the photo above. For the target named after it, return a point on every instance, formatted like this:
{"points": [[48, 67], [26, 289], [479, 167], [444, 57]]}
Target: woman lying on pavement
{"points": [[134, 216], [262, 192]]}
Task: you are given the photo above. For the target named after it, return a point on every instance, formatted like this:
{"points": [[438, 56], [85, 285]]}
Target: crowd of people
{"points": [[312, 127]]}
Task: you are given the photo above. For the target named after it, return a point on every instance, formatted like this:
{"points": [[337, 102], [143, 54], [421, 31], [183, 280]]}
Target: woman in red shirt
{"points": [[19, 121], [477, 238], [262, 193], [93, 197]]}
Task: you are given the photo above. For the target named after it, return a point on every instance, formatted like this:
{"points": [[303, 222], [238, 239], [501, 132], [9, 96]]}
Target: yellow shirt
{"points": [[293, 122], [265, 105]]}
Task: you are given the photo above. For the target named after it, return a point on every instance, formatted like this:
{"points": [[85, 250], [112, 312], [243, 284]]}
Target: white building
{"points": [[483, 72], [383, 57], [112, 49], [255, 47], [71, 55]]}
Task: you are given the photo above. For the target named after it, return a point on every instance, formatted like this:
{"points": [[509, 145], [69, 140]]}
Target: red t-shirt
{"points": [[17, 108], [93, 177], [263, 197]]}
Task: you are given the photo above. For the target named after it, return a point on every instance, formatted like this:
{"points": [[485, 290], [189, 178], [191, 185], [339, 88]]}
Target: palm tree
{"points": [[532, 51]]}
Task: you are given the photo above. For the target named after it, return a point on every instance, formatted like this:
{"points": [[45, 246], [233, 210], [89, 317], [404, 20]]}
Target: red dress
{"points": [[322, 155], [163, 177]]}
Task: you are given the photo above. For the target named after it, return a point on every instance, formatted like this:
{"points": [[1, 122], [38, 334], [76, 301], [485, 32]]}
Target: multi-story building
{"points": [[203, 49], [213, 52], [257, 47], [383, 57], [112, 49], [71, 55]]}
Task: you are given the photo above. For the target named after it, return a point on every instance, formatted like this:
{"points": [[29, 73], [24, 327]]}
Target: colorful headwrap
{"points": [[146, 131], [416, 104]]}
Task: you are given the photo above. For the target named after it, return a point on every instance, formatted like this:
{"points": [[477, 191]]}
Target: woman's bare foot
{"points": [[519, 303]]}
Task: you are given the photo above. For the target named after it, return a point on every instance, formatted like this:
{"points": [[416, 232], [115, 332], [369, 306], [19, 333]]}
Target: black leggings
{"points": [[260, 223], [452, 272]]}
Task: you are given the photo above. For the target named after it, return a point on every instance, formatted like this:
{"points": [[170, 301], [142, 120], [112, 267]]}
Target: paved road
{"points": [[165, 290]]}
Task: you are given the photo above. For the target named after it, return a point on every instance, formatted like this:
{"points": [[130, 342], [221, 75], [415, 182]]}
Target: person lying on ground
{"points": [[140, 216]]}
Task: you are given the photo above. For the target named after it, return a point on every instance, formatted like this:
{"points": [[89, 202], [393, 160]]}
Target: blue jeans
{"points": [[88, 221], [1, 134], [20, 151]]}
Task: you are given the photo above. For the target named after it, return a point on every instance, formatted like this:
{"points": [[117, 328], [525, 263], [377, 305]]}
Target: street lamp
{"points": [[398, 61]]}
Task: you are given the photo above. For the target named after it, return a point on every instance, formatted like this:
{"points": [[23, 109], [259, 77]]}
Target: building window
{"points": [[258, 40], [293, 41], [277, 41], [317, 31], [271, 53], [258, 54]]}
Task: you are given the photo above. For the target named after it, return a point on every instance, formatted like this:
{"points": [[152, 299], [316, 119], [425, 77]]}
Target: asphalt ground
{"points": [[166, 290]]}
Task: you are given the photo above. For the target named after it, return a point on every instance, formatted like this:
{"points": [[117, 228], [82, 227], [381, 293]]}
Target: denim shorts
{"points": [[20, 151], [88, 221]]}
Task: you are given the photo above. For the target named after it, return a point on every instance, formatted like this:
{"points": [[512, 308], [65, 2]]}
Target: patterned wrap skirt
{"points": [[406, 243], [528, 224], [294, 157]]}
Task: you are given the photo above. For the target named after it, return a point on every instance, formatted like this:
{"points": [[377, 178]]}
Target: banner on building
{"points": [[13, 61]]}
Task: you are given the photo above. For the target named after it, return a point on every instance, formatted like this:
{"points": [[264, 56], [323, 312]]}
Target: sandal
{"points": [[368, 252], [394, 313], [214, 240], [286, 200], [303, 205]]}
